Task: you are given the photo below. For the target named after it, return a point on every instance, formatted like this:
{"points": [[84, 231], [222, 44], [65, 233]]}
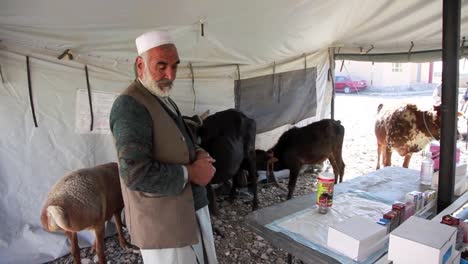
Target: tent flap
{"points": [[278, 99]]}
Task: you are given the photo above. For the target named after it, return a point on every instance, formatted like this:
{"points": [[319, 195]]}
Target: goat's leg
{"points": [[118, 223], [100, 233], [341, 165], [387, 156], [253, 178], [294, 172], [379, 149], [212, 205], [75, 249], [93, 247], [334, 165], [407, 160], [235, 184]]}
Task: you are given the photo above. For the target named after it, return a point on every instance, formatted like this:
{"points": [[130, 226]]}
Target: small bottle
{"points": [[427, 168]]}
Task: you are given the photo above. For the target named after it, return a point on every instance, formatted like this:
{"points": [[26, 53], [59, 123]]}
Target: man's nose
{"points": [[170, 73]]}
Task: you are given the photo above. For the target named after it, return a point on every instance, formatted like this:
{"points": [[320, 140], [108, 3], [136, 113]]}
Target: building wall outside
{"points": [[381, 76]]}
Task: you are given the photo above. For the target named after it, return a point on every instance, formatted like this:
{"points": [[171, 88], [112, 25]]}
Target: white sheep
{"points": [[85, 199]]}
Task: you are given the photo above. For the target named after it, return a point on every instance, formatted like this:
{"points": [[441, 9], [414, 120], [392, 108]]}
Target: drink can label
{"points": [[325, 186], [323, 203]]}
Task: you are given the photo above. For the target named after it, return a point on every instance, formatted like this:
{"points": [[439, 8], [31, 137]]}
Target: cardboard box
{"points": [[357, 237], [418, 240]]}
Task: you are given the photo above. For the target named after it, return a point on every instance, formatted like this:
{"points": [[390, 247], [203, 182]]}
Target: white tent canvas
{"points": [[238, 40]]}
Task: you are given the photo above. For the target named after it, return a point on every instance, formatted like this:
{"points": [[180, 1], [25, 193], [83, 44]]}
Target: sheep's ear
{"points": [[205, 114]]}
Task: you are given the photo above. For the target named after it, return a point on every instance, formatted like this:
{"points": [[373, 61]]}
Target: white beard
{"points": [[153, 86]]}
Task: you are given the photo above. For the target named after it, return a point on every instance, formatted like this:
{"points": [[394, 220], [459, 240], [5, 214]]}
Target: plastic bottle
{"points": [[325, 183], [427, 168], [323, 203]]}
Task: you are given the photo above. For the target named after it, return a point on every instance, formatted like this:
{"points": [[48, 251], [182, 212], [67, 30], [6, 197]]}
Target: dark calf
{"points": [[229, 137], [311, 144]]}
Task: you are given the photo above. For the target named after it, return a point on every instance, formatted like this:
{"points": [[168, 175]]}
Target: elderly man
{"points": [[163, 172]]}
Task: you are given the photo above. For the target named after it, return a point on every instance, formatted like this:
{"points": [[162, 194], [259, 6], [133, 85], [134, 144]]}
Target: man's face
{"points": [[157, 69]]}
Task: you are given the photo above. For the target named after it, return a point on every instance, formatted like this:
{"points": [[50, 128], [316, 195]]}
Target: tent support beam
{"points": [[331, 76], [450, 56]]}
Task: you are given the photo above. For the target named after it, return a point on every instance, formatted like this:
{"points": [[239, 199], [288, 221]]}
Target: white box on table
{"points": [[418, 240], [356, 238], [460, 175], [456, 258]]}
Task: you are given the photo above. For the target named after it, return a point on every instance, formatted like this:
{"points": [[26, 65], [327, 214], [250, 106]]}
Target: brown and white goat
{"points": [[85, 199], [406, 129]]}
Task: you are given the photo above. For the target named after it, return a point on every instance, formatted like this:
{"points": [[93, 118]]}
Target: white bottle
{"points": [[427, 168]]}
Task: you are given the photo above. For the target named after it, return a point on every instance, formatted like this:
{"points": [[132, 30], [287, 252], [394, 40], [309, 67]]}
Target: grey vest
{"points": [[156, 221]]}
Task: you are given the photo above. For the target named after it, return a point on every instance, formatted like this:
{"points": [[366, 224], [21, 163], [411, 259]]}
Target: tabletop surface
{"points": [[389, 183]]}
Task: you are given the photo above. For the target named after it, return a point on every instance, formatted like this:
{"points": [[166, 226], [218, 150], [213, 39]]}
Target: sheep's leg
{"points": [[294, 172], [118, 223], [75, 249], [407, 160], [100, 232]]}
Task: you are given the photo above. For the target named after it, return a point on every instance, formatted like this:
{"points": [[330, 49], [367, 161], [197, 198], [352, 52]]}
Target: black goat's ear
{"points": [[194, 121], [205, 114]]}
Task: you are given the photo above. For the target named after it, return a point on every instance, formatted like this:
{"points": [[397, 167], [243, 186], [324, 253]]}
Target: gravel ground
{"points": [[240, 245]]}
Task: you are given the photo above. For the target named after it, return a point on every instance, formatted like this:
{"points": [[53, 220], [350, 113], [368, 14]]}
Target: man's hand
{"points": [[201, 171], [202, 154]]}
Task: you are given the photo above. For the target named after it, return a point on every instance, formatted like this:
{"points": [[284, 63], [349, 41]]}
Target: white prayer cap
{"points": [[152, 39]]}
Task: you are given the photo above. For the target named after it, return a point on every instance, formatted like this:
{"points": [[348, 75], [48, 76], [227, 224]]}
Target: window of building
{"points": [[397, 67]]}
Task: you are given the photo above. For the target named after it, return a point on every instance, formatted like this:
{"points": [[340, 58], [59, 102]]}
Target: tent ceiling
{"points": [[236, 32]]}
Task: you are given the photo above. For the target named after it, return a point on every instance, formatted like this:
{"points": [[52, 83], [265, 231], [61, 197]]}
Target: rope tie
{"points": [[193, 85], [31, 102], [89, 99]]}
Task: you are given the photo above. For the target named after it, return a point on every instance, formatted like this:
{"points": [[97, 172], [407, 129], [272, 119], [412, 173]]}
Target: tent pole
{"points": [[331, 75], [450, 57]]}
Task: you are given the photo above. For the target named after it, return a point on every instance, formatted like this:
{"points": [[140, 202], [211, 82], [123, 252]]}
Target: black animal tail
{"points": [[379, 107]]}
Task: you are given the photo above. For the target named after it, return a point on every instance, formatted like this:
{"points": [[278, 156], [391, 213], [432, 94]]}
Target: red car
{"points": [[349, 85]]}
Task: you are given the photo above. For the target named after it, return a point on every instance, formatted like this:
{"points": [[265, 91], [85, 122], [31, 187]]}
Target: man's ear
{"points": [[139, 66]]}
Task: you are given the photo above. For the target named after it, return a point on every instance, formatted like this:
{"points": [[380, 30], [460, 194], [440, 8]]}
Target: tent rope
{"points": [[305, 71], [30, 91], [273, 84], [91, 126], [463, 46], [409, 51], [193, 85], [239, 91], [1, 75]]}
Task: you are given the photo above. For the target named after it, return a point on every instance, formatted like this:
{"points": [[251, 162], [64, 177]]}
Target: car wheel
{"points": [[347, 90]]}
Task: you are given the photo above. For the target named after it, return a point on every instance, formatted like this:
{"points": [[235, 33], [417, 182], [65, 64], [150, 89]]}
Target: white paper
{"points": [[102, 104]]}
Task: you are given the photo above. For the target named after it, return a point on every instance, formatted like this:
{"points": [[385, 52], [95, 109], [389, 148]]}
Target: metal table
{"points": [[390, 183]]}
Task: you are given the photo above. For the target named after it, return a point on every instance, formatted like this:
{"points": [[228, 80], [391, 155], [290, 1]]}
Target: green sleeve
{"points": [[131, 126]]}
